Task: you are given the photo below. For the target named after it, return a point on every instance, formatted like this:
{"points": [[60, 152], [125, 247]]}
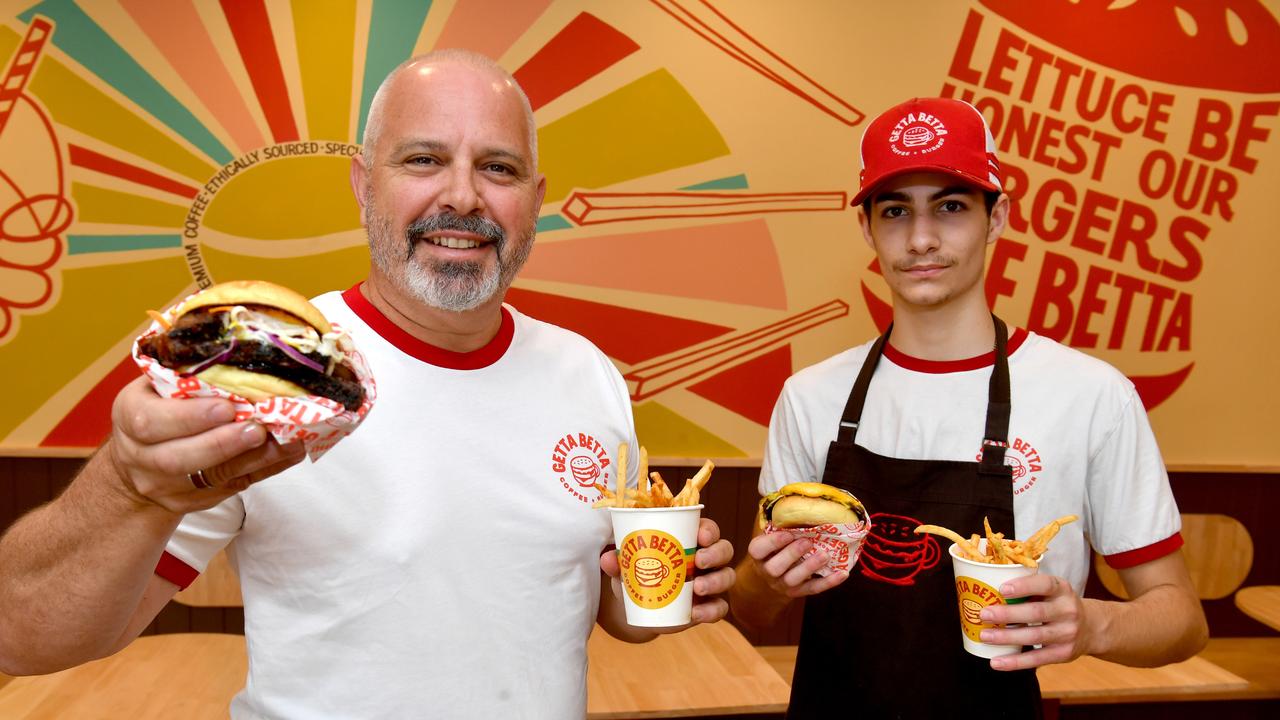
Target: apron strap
{"points": [[853, 407], [996, 437]]}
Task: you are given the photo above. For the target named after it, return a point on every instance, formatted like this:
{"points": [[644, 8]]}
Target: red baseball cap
{"points": [[928, 135]]}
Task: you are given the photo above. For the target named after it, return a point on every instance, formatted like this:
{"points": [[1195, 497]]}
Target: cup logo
{"points": [[654, 567], [973, 595], [585, 470]]}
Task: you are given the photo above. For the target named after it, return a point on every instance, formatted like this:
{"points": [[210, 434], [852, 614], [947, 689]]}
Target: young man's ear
{"points": [[999, 218], [865, 223]]}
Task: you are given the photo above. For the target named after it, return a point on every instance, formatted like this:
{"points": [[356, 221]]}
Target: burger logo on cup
{"points": [[650, 571], [655, 567]]}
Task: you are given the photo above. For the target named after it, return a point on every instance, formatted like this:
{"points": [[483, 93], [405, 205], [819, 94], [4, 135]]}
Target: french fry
{"points": [[999, 550], [1039, 541], [954, 537], [652, 491], [643, 480], [667, 498], [621, 479], [699, 480], [995, 544]]}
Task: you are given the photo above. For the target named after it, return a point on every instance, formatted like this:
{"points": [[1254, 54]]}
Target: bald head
{"points": [[452, 56]]}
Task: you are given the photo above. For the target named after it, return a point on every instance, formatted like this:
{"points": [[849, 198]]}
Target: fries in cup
{"points": [[997, 550]]}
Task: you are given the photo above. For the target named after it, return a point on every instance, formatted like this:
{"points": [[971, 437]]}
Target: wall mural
{"points": [[700, 157]]}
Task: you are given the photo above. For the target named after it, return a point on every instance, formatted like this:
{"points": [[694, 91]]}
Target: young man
{"points": [[433, 564], [919, 426]]}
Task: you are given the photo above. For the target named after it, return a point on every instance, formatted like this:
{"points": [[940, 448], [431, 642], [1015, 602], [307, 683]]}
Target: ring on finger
{"points": [[198, 480]]}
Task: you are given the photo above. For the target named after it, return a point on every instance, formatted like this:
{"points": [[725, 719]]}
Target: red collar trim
{"points": [[915, 364], [426, 352]]}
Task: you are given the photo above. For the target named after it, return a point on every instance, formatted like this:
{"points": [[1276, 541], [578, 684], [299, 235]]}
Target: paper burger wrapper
{"points": [[841, 543], [317, 422]]}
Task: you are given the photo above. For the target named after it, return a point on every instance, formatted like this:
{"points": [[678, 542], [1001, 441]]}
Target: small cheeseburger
{"points": [[257, 340], [808, 504]]}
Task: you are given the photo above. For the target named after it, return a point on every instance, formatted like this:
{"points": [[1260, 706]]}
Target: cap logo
{"points": [[917, 134]]}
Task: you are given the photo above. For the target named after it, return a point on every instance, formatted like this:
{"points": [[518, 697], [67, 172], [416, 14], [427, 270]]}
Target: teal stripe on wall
{"points": [[393, 31], [80, 37], [84, 244]]}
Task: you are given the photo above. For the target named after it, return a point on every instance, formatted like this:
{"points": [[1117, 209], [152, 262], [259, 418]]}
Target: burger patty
{"points": [[197, 336]]}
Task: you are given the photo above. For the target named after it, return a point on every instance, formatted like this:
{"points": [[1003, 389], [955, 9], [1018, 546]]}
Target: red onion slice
{"points": [[295, 353], [205, 365]]}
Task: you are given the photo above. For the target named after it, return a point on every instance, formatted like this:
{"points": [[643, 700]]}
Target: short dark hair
{"points": [[989, 197]]}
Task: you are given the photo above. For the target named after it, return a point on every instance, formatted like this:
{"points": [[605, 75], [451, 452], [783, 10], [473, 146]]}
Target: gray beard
{"points": [[453, 286]]}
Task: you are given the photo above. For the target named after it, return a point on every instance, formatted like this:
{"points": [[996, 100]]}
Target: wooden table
{"points": [[206, 671], [1262, 603], [705, 670], [1087, 680]]}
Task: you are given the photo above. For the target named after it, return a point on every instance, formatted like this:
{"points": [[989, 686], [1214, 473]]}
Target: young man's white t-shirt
{"points": [[1080, 441], [443, 560]]}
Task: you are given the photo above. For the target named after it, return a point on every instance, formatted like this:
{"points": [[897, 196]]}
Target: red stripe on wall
{"points": [[627, 334], [580, 51], [90, 160], [89, 422], [252, 31]]}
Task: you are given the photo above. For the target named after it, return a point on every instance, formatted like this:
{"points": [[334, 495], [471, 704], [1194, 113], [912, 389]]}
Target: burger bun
{"points": [[801, 511], [258, 292], [249, 385]]}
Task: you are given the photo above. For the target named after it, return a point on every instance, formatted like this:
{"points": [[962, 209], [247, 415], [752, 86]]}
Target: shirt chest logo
{"points": [[580, 462], [1024, 463]]}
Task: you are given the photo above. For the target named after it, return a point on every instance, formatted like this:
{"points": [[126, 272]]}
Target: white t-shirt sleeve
{"points": [[202, 534], [1130, 505], [788, 454]]}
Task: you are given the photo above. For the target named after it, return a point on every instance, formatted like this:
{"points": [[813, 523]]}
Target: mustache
{"points": [[940, 260], [484, 227]]}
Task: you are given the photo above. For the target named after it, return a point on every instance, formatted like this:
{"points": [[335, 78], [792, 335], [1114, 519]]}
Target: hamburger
{"points": [[808, 504], [257, 340]]}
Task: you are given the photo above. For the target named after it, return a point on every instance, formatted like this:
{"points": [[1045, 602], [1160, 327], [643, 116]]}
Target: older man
{"points": [[434, 564]]}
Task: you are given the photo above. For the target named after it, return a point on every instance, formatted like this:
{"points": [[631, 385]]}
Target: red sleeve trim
{"points": [[176, 571], [1155, 551]]}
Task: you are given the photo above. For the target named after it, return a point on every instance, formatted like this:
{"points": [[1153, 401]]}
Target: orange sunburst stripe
{"points": [[90, 160], [251, 29], [177, 30]]}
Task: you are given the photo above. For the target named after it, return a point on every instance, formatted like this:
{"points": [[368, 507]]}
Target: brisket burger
{"points": [[257, 340], [808, 504]]}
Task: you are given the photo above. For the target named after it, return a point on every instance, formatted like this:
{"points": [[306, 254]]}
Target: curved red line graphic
{"points": [[881, 311], [1155, 389]]}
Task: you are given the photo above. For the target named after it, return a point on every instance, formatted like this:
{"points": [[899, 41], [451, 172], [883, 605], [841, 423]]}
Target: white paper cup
{"points": [[977, 586], [655, 554]]}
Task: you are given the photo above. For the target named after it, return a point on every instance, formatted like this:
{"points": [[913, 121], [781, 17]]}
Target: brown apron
{"points": [[886, 642]]}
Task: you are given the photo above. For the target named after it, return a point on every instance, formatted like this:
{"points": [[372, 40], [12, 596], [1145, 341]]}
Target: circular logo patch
{"points": [[917, 134], [654, 567]]}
